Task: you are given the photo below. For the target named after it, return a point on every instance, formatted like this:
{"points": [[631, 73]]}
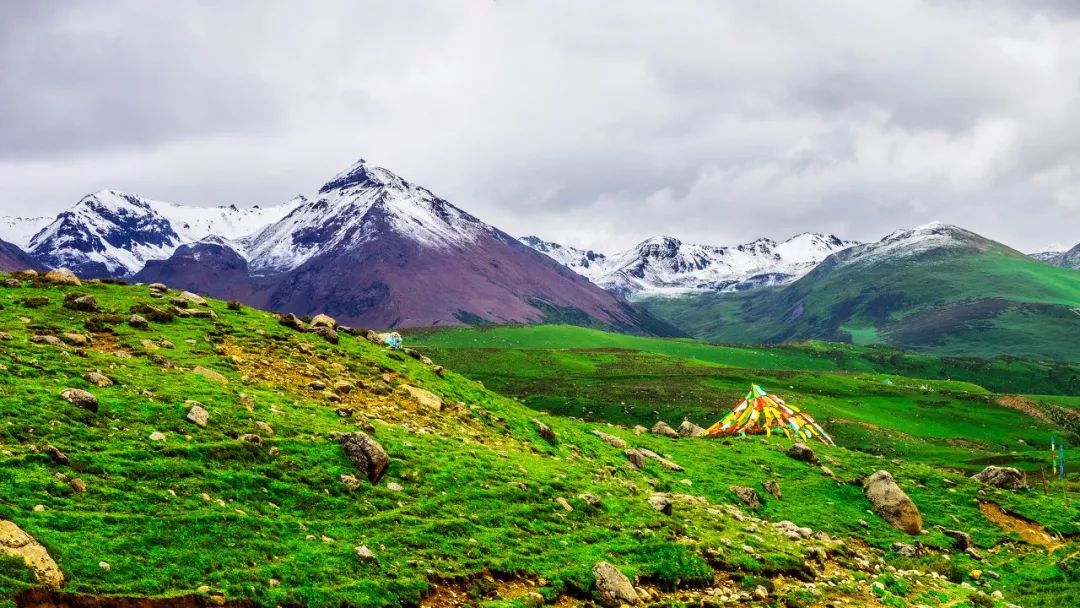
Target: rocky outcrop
{"points": [[1006, 478], [80, 398], [891, 503], [198, 415], [611, 440], [689, 429], [15, 542], [749, 496], [545, 431], [772, 487], [366, 454], [613, 586], [62, 276], [801, 451], [664, 429]]}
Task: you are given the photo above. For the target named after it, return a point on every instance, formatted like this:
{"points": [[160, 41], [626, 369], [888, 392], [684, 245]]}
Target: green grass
{"points": [[478, 483], [973, 301]]}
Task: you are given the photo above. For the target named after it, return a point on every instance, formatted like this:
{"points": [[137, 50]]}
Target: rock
{"points": [[664, 429], [80, 398], [74, 339], [98, 379], [614, 588], [62, 276], [317, 385], [973, 553], [963, 539], [661, 503], [366, 454], [636, 458], [12, 283], [343, 387], [689, 429], [394, 486], [761, 593], [264, 428], [365, 555], [772, 487], [891, 503], [157, 436], [5, 335], [749, 496], [138, 322], [1006, 478], [801, 451], [591, 499], [189, 298], [321, 320], [439, 371], [412, 352], [78, 485], [209, 374], [425, 398], [233, 305], [83, 304], [350, 481], [545, 431], [57, 456], [611, 440], [327, 333], [50, 340], [667, 464], [292, 321], [198, 415], [202, 314], [19, 544], [157, 287], [640, 430], [904, 549], [565, 505]]}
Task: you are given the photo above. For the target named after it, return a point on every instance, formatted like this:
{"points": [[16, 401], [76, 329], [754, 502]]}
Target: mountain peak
{"points": [[364, 174]]}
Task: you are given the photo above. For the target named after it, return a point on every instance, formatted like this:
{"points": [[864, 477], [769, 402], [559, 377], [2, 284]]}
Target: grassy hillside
{"points": [[955, 301], [473, 507], [960, 413]]}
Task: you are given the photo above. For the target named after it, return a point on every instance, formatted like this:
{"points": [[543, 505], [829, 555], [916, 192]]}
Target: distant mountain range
{"points": [[666, 266], [1065, 259]]}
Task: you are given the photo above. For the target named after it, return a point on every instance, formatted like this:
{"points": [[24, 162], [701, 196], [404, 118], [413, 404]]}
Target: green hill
{"points": [[264, 507], [937, 289]]}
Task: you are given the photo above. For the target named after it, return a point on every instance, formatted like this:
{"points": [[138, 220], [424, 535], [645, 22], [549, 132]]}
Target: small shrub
{"points": [[34, 302]]}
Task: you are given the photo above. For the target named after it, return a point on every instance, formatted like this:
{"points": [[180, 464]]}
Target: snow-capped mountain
{"points": [[667, 266], [371, 248], [586, 262], [911, 242], [112, 233], [19, 230], [1065, 259]]}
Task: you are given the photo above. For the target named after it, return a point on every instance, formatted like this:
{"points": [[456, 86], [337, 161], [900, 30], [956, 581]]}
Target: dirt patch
{"points": [[47, 598], [1024, 405], [1031, 532]]}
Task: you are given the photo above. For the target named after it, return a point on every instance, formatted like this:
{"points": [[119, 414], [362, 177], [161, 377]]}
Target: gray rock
{"points": [[614, 588], [1006, 478], [138, 322], [198, 415], [364, 554], [98, 379], [366, 454], [545, 431], [664, 429], [689, 429], [636, 458], [80, 398], [772, 487], [611, 440], [891, 503], [801, 451], [661, 503], [746, 495], [963, 539]]}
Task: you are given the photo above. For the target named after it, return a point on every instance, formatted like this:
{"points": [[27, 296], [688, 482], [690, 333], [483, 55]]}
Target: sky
{"points": [[595, 124]]}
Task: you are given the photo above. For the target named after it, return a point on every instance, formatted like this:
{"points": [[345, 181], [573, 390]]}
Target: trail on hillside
{"points": [[1031, 533]]}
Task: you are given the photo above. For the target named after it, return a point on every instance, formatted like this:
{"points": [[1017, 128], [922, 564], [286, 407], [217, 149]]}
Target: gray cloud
{"points": [[598, 124]]}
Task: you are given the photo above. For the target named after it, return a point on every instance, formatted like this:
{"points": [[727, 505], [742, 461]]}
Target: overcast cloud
{"points": [[597, 124]]}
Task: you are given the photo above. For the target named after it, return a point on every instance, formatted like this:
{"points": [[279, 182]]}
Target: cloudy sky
{"points": [[597, 124]]}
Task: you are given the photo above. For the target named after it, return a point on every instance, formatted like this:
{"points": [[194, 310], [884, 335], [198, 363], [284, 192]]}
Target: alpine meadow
{"points": [[525, 304]]}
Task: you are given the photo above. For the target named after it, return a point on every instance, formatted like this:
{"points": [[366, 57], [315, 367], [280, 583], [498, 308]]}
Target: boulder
{"points": [[611, 440], [62, 276], [14, 542], [343, 387], [292, 321], [209, 374], [636, 458], [321, 320], [425, 398], [749, 496], [689, 429], [1006, 478], [664, 429], [190, 298], [158, 287], [80, 398], [772, 487], [50, 340], [82, 304], [963, 539], [366, 454], [661, 503], [198, 415], [613, 586], [801, 451], [667, 464], [57, 456], [891, 503], [138, 322], [326, 333], [364, 554], [74, 338], [545, 431]]}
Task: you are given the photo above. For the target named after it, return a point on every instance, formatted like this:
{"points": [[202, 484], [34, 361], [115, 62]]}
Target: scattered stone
{"points": [[78, 485], [104, 566], [664, 429], [614, 588], [891, 503], [963, 539], [209, 374], [366, 454], [233, 305], [80, 398], [157, 436], [265, 428], [904, 549], [317, 385], [57, 456], [611, 440], [394, 486], [74, 338], [343, 387], [198, 415], [98, 379], [12, 283], [82, 304], [189, 298], [439, 371], [251, 438], [973, 553], [321, 320], [749, 496], [50, 340], [636, 458], [761, 593], [15, 542], [5, 335], [801, 451], [565, 505], [689, 429], [292, 321], [425, 398], [1006, 478], [667, 464], [545, 431], [772, 487], [139, 322], [62, 276], [351, 482], [661, 503], [412, 352], [639, 430], [327, 333], [365, 555], [591, 499]]}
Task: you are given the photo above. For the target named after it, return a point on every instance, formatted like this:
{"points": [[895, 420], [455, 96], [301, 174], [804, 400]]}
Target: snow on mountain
{"points": [[914, 241], [344, 212], [666, 266], [19, 230], [587, 263], [112, 233]]}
